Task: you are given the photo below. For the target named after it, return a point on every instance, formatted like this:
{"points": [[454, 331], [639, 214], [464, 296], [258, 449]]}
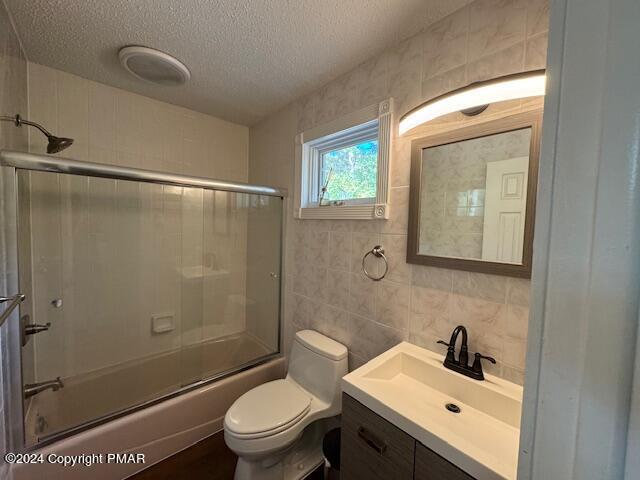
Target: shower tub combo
{"points": [[151, 302]]}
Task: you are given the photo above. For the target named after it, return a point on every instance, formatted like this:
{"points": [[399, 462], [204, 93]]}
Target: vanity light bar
{"points": [[509, 87]]}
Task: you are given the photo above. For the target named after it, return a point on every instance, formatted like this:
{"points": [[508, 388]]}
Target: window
{"points": [[471, 203], [349, 174], [347, 167], [343, 166]]}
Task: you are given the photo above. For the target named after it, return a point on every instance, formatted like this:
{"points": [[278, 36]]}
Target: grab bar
{"points": [[15, 301]]}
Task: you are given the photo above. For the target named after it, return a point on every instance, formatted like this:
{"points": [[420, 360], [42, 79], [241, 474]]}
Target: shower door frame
{"points": [[10, 337], [10, 163]]}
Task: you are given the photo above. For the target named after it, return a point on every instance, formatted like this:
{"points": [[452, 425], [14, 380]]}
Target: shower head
{"points": [[55, 144]]}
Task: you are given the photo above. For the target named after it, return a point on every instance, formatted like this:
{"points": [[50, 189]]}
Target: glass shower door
{"points": [[146, 289]]}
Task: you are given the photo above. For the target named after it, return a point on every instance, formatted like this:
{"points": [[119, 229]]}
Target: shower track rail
{"points": [[44, 163], [12, 367]]}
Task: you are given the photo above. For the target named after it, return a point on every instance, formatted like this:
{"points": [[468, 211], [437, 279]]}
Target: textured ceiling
{"points": [[248, 58]]}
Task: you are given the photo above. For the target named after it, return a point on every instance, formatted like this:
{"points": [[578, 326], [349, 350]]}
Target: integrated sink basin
{"points": [[473, 424]]}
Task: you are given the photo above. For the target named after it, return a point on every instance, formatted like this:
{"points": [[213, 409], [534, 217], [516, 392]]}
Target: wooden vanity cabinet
{"points": [[374, 449], [431, 466]]}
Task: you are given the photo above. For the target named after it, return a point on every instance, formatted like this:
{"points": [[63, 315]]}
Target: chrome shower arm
{"points": [[20, 121], [55, 145], [15, 119]]}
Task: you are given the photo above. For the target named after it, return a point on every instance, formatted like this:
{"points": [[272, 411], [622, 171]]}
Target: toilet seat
{"points": [[267, 410]]}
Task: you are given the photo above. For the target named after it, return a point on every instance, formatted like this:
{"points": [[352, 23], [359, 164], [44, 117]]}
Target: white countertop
{"points": [[408, 386]]}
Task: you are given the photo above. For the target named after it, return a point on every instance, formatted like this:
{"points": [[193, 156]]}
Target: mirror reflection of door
{"points": [[473, 198], [504, 210]]}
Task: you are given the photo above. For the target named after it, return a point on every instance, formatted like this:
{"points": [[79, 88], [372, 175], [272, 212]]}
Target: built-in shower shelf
{"points": [[163, 323]]}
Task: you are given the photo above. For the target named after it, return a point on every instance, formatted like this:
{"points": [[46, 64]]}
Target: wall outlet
{"points": [[162, 322]]}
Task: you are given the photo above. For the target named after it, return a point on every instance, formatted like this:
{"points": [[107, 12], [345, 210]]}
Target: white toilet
{"points": [[276, 429]]}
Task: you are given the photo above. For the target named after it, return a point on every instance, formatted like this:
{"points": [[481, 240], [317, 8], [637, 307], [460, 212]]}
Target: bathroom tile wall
{"points": [[13, 98], [114, 126], [119, 252], [325, 288]]}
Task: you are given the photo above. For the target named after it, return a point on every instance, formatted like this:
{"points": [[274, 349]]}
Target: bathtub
{"points": [[157, 431], [92, 396]]}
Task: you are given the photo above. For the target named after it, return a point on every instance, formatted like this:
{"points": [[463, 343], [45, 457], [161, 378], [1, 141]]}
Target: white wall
{"points": [[586, 283]]}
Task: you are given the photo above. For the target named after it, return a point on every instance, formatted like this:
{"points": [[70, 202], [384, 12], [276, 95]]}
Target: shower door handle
{"points": [[14, 302]]}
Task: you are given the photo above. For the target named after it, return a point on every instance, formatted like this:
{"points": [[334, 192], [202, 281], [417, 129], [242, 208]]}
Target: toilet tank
{"points": [[318, 363]]}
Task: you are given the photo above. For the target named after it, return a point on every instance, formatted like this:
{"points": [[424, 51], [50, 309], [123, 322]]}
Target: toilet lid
{"points": [[267, 407]]}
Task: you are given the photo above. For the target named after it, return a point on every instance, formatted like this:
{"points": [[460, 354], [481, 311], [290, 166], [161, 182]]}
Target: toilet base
{"points": [[298, 461]]}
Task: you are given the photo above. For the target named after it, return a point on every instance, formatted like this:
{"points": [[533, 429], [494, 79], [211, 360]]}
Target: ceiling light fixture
{"points": [[153, 66], [476, 97]]}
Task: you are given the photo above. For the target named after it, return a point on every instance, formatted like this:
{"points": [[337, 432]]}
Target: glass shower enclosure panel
{"points": [[146, 289]]}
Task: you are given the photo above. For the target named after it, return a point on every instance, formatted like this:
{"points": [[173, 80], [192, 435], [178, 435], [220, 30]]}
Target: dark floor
{"points": [[209, 459]]}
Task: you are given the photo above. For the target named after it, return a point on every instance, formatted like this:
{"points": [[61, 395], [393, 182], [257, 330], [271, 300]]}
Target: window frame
{"points": [[370, 123]]}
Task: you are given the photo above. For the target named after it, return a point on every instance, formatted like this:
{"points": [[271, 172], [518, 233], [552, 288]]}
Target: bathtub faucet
{"points": [[31, 389]]}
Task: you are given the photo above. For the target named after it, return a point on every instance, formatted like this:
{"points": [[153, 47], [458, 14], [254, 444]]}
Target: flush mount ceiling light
{"points": [[475, 98], [153, 66]]}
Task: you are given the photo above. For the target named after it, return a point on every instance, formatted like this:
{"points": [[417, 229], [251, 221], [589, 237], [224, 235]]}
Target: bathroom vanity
{"points": [[374, 448], [404, 416]]}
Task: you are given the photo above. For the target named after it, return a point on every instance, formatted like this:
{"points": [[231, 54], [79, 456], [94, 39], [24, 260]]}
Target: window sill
{"points": [[345, 212]]}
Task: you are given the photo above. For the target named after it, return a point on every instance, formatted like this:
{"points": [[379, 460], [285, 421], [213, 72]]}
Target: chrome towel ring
{"points": [[376, 251]]}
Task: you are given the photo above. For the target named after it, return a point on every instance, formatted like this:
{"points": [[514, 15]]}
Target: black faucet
{"points": [[462, 364]]}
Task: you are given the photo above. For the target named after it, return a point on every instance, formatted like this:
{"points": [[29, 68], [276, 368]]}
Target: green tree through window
{"points": [[353, 170]]}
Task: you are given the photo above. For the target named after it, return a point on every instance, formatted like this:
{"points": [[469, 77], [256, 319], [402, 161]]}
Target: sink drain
{"points": [[452, 407]]}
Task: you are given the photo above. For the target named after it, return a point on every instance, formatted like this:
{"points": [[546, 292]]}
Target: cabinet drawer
{"points": [[371, 447], [431, 466]]}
